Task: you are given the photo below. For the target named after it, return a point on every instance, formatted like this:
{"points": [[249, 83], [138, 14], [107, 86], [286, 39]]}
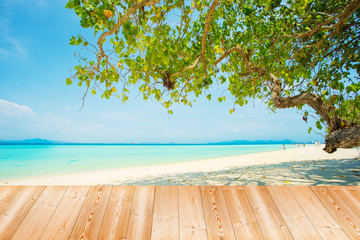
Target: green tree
{"points": [[287, 53]]}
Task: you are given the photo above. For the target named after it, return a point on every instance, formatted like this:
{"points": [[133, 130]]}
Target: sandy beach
{"points": [[298, 166]]}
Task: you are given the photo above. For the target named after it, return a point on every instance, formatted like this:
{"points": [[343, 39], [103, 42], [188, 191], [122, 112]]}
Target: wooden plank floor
{"points": [[179, 212]]}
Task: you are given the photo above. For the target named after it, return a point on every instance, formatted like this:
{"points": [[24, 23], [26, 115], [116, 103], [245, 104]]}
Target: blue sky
{"points": [[35, 60]]}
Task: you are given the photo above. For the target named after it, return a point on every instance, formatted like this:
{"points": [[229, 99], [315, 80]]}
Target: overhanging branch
{"points": [[121, 21], [246, 58], [349, 10], [206, 29], [186, 68], [311, 99]]}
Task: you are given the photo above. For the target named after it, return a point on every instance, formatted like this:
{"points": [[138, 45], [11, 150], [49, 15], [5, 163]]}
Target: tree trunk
{"points": [[338, 137], [343, 138]]}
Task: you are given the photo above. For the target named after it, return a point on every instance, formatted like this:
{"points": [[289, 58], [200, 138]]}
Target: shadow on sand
{"points": [[327, 172]]}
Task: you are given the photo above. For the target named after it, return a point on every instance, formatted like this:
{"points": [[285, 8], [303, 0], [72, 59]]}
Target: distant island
{"points": [[39, 141], [246, 142], [34, 141]]}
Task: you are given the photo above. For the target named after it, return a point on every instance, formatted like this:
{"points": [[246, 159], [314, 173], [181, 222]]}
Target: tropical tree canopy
{"points": [[288, 53]]}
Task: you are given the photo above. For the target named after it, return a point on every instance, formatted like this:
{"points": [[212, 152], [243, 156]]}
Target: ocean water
{"points": [[22, 161]]}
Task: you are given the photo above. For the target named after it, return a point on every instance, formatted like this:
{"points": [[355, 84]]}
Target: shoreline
{"points": [[143, 175]]}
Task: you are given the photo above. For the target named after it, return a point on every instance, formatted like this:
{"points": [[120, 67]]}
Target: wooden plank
{"points": [[343, 214], [7, 193], [16, 211], [242, 216], [294, 216], [145, 212], [165, 223], [350, 196], [63, 220], [357, 188], [38, 217], [91, 215], [191, 214], [116, 218], [217, 218], [141, 213], [269, 218], [319, 216]]}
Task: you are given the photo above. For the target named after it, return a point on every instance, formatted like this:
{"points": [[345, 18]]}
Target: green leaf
{"points": [[72, 41], [309, 130], [69, 5], [165, 59], [318, 125], [68, 81]]}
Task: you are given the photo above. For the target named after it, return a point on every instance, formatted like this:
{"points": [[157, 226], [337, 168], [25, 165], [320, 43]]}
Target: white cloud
{"points": [[15, 110]]}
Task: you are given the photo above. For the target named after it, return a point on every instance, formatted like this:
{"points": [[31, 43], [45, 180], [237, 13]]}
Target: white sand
{"points": [[116, 176]]}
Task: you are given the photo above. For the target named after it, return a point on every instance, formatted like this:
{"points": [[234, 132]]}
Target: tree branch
{"points": [[186, 68], [206, 29], [311, 99], [246, 58], [314, 101], [350, 9], [121, 21]]}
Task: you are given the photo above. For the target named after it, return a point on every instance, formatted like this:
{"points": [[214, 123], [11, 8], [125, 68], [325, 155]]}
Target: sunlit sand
{"points": [[309, 165]]}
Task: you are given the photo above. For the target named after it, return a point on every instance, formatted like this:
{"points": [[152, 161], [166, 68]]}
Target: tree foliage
{"points": [[287, 53]]}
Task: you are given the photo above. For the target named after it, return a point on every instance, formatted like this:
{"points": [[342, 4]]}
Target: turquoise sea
{"points": [[22, 161]]}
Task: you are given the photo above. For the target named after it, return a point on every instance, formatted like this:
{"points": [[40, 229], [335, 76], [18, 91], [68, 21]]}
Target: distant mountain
{"points": [[39, 141], [30, 141], [246, 142]]}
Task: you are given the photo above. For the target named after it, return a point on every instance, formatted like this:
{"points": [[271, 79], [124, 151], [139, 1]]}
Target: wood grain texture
{"points": [[39, 216], [191, 214], [63, 220], [350, 196], [91, 215], [141, 213], [165, 223], [217, 217], [343, 214], [292, 213], [7, 193], [242, 216], [269, 218], [18, 208], [179, 212], [116, 218], [325, 224], [357, 188]]}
